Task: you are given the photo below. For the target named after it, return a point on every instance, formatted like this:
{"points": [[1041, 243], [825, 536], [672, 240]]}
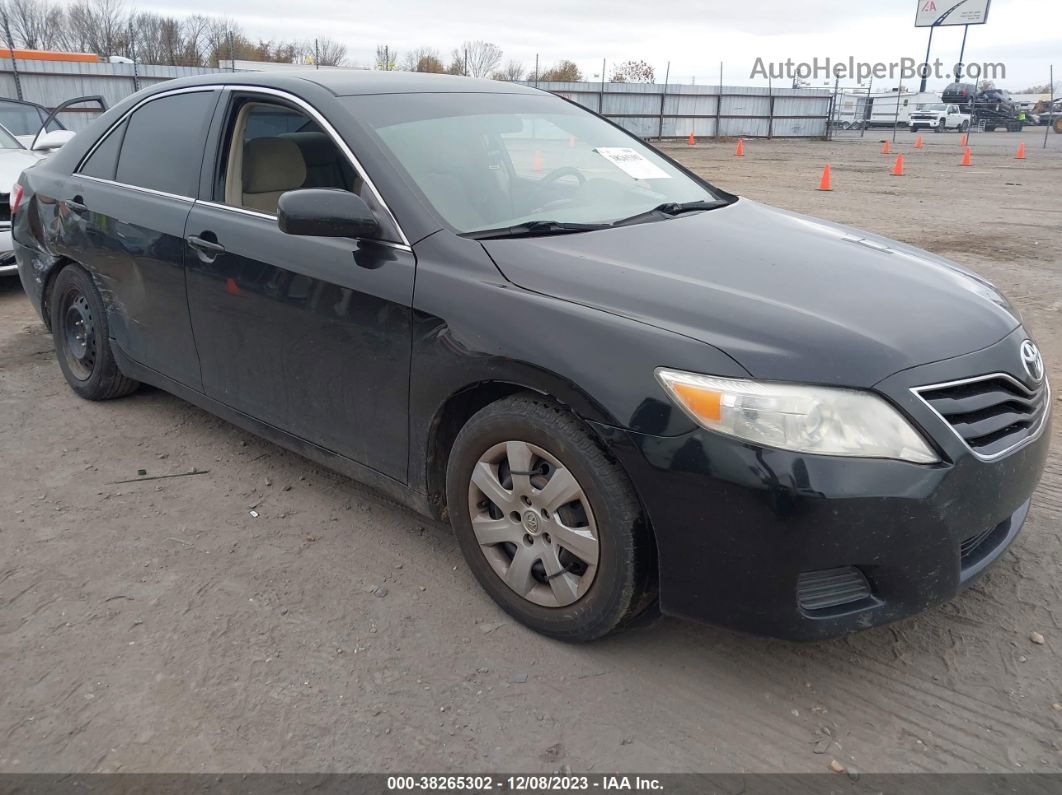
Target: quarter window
{"points": [[104, 161], [163, 145]]}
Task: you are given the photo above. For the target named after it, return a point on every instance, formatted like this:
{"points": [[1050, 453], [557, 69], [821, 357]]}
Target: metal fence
{"points": [[645, 109], [49, 83], [674, 111]]}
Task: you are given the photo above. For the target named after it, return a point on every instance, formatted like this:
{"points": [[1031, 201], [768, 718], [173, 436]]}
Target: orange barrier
{"points": [[47, 55]]}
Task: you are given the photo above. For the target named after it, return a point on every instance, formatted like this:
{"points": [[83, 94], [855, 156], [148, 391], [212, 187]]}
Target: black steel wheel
{"points": [[79, 330]]}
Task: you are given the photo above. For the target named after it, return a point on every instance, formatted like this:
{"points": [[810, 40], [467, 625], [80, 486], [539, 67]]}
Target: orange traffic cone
{"points": [[966, 156], [885, 147], [824, 183], [690, 140], [536, 161], [1021, 152], [740, 151], [964, 140], [897, 170], [571, 142], [919, 143]]}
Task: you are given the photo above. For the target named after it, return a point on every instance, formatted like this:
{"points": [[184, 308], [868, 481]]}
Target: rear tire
{"points": [[573, 561], [80, 334]]}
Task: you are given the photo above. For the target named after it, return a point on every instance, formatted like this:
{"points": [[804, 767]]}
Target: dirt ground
{"points": [[161, 626]]}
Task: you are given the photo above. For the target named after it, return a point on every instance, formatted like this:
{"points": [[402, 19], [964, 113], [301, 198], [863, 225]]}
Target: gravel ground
{"points": [[163, 626]]}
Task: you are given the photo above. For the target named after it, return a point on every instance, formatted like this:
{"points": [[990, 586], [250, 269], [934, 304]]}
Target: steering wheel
{"points": [[563, 171]]}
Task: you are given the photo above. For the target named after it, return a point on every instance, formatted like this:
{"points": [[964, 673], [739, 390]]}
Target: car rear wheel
{"points": [[82, 345], [548, 524]]}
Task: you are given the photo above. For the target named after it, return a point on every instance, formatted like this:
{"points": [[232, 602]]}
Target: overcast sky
{"points": [[695, 35]]}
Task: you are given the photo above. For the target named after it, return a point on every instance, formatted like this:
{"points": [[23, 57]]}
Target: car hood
{"points": [[788, 296], [12, 163]]}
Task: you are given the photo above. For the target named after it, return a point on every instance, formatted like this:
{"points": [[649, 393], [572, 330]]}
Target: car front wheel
{"points": [[548, 524], [82, 344]]}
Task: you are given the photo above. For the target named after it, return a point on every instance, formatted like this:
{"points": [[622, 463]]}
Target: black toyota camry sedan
{"points": [[625, 388]]}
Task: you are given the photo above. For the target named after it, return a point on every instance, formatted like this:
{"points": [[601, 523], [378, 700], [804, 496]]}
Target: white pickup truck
{"points": [[939, 116]]}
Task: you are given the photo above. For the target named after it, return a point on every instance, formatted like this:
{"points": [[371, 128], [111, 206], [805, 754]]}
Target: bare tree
{"points": [[97, 26], [511, 72], [331, 52], [386, 58], [35, 24], [423, 59], [477, 58], [633, 72], [563, 72]]}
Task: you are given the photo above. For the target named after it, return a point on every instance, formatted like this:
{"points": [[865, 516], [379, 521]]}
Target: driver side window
{"points": [[273, 148]]}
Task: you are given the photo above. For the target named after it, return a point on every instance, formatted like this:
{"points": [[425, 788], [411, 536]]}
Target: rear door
{"points": [[123, 213], [308, 334]]}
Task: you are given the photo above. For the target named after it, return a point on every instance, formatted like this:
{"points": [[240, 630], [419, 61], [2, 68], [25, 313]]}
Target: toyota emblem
{"points": [[1032, 361]]}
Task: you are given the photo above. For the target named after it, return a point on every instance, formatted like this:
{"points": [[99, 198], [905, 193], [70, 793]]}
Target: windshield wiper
{"points": [[670, 209], [533, 229]]}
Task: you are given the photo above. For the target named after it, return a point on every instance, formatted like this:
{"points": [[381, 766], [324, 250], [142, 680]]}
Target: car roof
{"points": [[350, 82]]}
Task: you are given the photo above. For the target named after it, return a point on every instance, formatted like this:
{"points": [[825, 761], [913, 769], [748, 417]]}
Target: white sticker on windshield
{"points": [[632, 162]]}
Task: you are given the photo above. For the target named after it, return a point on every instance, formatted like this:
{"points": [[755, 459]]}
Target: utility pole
{"points": [[132, 56], [316, 54], [11, 47]]}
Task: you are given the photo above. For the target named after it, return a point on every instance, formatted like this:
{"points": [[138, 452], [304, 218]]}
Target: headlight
{"points": [[806, 419]]}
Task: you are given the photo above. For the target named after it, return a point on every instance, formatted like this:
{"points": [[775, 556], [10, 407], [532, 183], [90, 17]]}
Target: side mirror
{"points": [[325, 212], [51, 140]]}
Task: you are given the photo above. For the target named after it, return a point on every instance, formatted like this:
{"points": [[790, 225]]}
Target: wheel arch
{"points": [[48, 278], [460, 405]]}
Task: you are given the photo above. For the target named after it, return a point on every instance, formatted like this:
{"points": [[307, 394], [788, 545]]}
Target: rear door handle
{"points": [[76, 205]]}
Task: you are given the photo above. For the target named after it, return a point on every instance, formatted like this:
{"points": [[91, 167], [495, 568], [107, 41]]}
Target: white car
{"points": [[938, 116], [14, 158]]}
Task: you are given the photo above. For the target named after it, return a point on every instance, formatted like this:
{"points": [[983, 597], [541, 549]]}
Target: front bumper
{"points": [[742, 530], [8, 266]]}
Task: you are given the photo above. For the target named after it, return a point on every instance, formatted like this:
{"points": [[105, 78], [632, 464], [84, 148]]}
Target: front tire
{"points": [[548, 524], [82, 344]]}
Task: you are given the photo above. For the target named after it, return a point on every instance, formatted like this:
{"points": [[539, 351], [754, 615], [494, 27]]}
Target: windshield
{"points": [[24, 119], [487, 161], [933, 106], [7, 140]]}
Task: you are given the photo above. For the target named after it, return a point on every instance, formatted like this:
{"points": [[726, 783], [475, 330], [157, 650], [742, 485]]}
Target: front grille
{"points": [[5, 209], [992, 414], [828, 588]]}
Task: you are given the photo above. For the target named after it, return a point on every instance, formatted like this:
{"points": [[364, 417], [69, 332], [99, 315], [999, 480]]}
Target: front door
{"points": [[310, 335]]}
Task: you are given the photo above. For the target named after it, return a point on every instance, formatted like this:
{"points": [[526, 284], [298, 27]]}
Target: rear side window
{"points": [[163, 145], [104, 161]]}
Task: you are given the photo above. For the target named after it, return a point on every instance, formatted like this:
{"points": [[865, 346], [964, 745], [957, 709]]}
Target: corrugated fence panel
{"points": [[742, 110]]}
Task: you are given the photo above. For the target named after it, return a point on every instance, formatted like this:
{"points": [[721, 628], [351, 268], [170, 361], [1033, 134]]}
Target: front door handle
{"points": [[206, 246]]}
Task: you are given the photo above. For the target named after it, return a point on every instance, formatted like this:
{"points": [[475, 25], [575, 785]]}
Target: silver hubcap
{"points": [[534, 524]]}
